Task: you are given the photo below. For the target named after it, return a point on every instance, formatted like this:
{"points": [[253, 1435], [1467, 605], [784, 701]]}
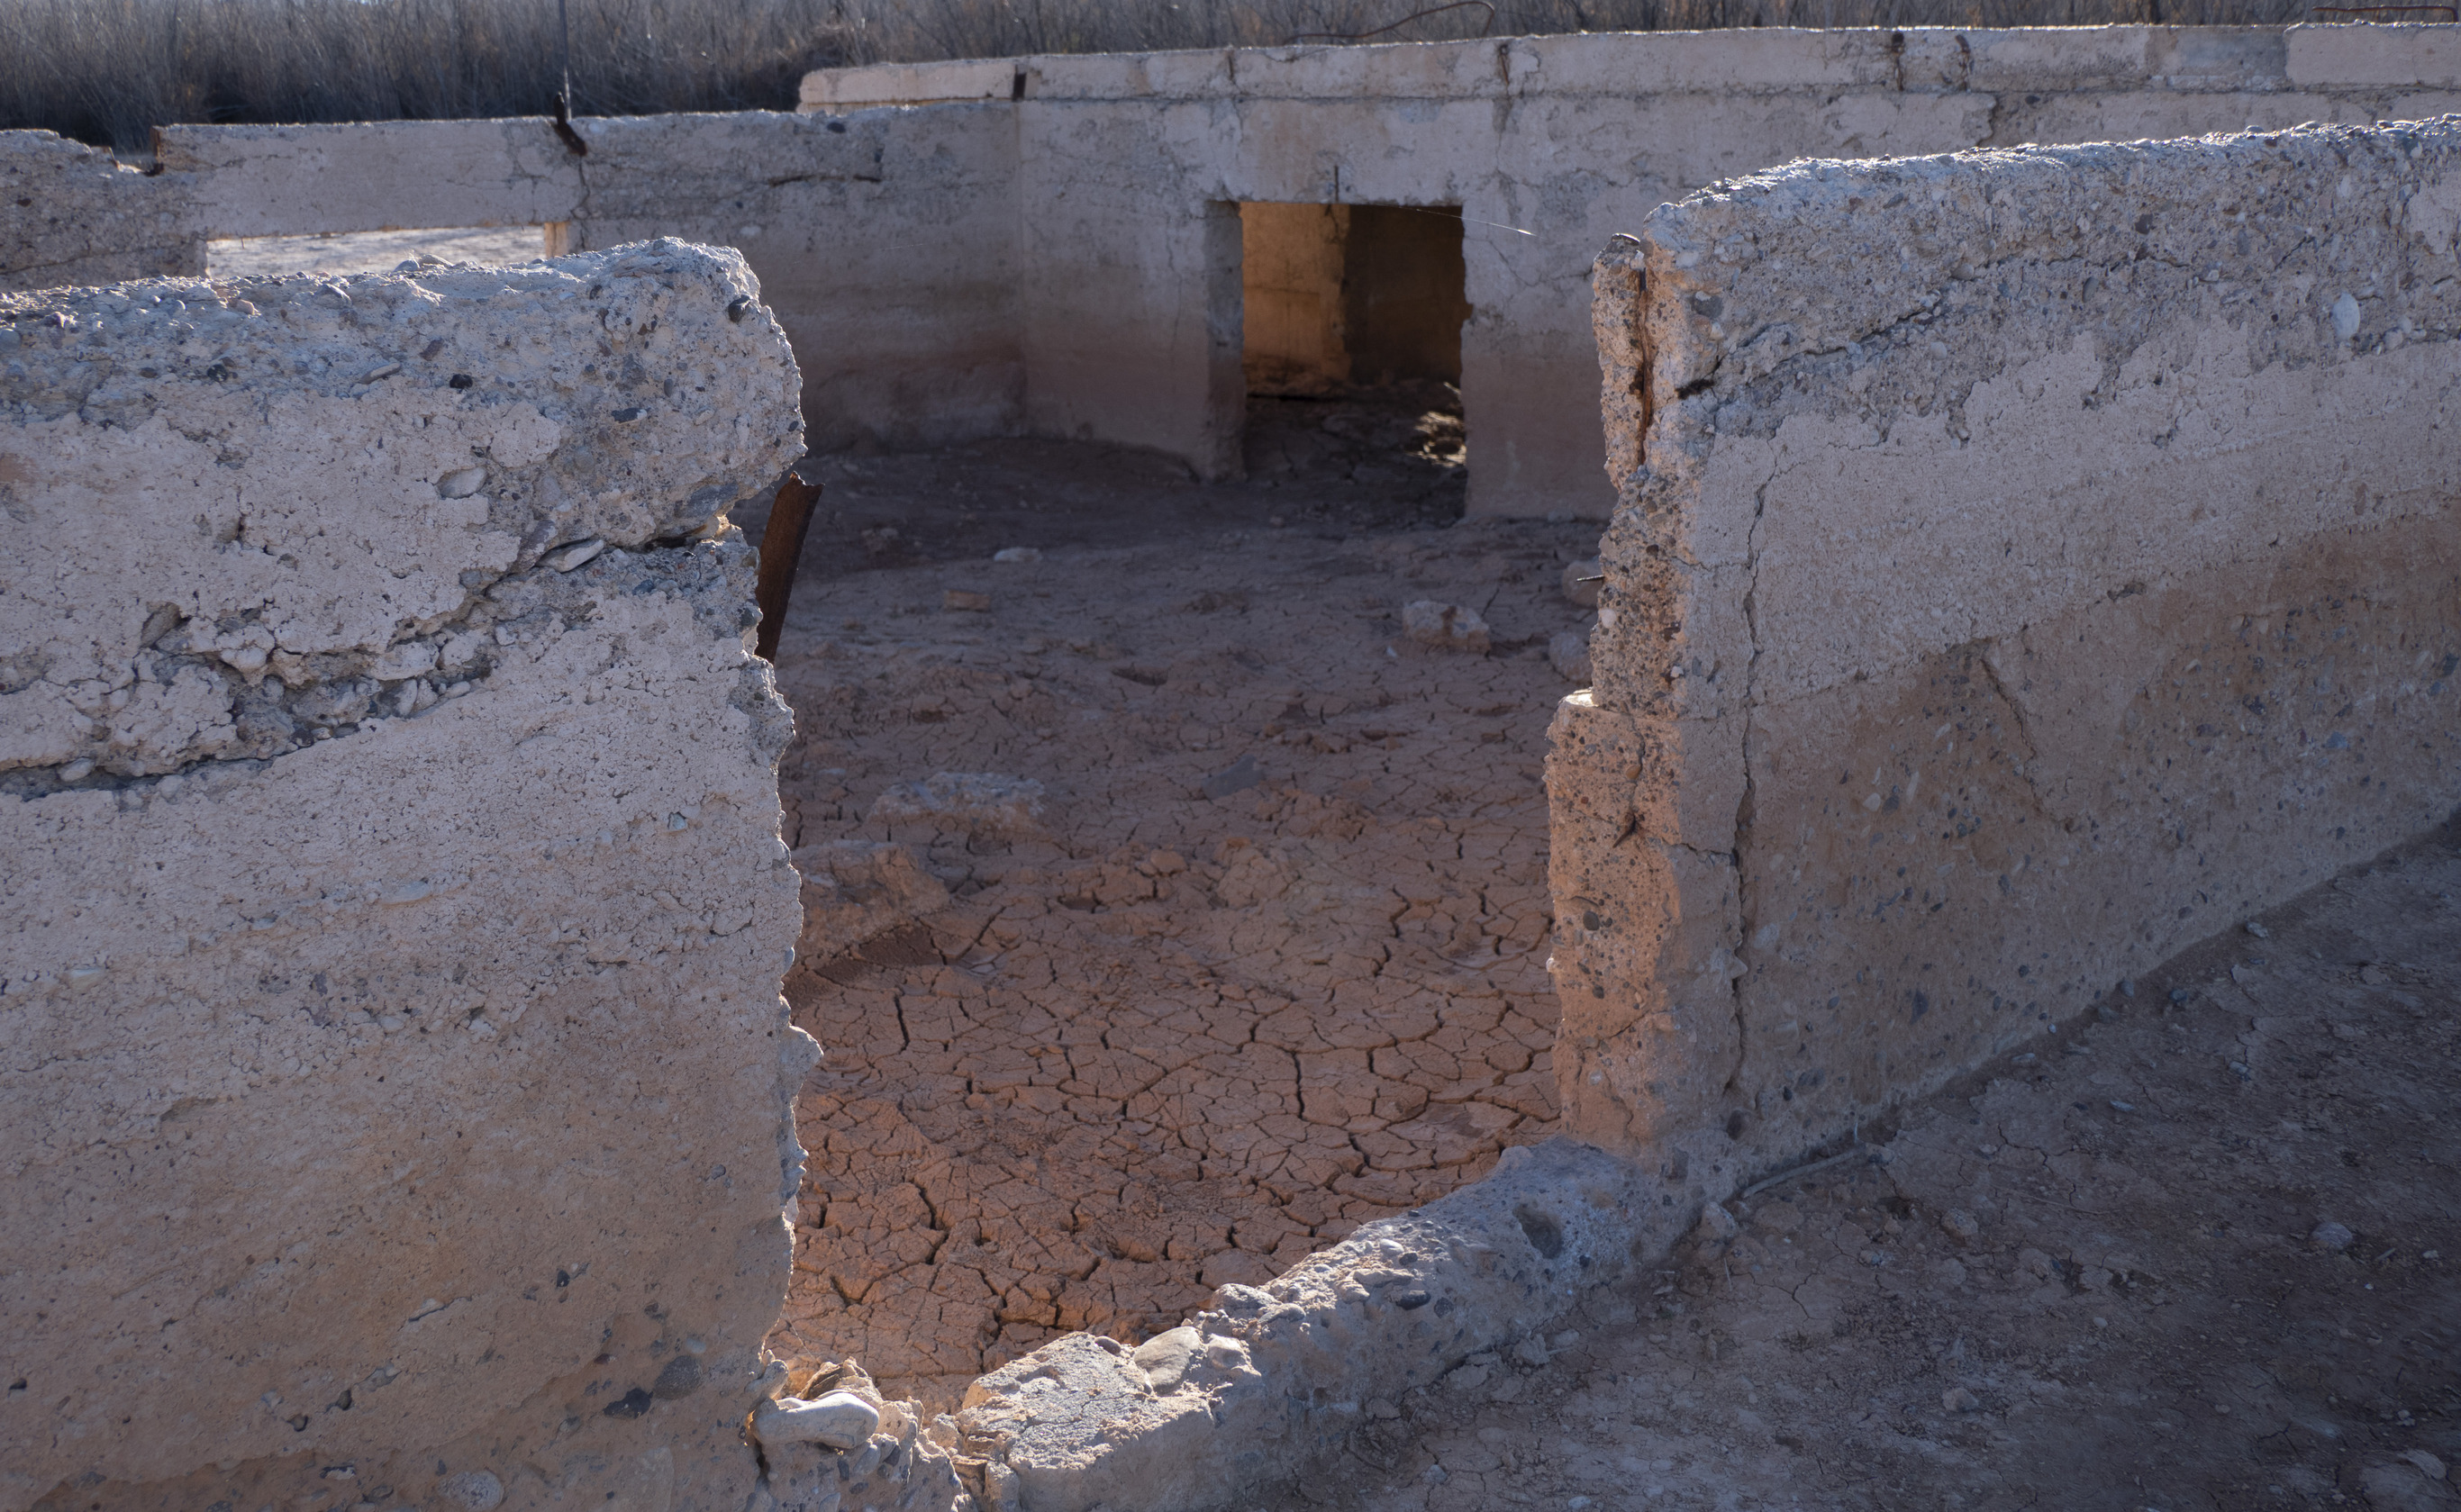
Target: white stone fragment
{"points": [[1165, 1358], [567, 558], [1446, 626], [1568, 651], [980, 802], [840, 1420]]}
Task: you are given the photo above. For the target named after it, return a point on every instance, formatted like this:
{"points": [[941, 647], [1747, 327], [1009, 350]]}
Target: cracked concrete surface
{"points": [[1990, 623], [397, 1091], [2084, 1277], [1171, 1040]]}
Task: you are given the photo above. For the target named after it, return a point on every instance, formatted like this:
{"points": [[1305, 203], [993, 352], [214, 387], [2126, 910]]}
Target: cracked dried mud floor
{"points": [[1163, 1040], [2082, 1280]]}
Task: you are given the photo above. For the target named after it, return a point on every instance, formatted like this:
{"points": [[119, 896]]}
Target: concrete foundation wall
{"points": [[1051, 244], [2027, 563], [376, 176], [885, 243], [73, 214], [1549, 145], [399, 1084]]}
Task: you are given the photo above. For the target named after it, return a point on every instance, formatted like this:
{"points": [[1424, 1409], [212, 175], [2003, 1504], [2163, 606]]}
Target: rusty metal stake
{"points": [[782, 547]]}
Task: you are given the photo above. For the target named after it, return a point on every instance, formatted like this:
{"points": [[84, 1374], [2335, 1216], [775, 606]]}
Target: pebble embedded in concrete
{"points": [[840, 1420], [1165, 1357]]}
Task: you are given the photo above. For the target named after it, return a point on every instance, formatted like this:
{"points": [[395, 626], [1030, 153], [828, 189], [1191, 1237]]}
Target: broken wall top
{"points": [[202, 430], [2113, 263], [74, 214]]}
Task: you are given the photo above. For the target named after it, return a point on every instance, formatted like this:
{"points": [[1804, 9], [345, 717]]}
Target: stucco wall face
{"points": [[1051, 244], [400, 1081], [1549, 145], [376, 176], [885, 243], [2027, 564], [72, 214]]}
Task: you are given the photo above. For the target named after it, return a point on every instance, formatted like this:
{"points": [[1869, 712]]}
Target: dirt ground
{"points": [[2084, 1280], [1163, 1040], [370, 251]]}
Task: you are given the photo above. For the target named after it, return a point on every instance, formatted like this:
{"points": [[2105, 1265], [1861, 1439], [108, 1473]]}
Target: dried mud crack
{"points": [[1160, 1040]]}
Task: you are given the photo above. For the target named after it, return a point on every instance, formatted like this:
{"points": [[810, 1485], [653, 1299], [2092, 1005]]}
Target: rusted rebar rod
{"points": [[782, 547]]}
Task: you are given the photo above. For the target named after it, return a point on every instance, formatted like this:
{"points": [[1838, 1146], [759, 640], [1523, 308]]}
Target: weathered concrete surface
{"points": [[2028, 564], [73, 214], [1265, 1380], [376, 176], [1128, 162], [886, 245], [375, 252], [396, 1088]]}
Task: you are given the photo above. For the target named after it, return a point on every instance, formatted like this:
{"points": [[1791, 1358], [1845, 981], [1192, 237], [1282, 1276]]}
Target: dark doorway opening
{"points": [[1351, 341]]}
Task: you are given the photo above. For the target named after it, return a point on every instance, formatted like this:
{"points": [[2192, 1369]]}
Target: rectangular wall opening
{"points": [[1351, 340]]}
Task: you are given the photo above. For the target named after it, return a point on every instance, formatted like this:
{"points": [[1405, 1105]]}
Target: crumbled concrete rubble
{"points": [[1265, 1380], [2028, 561], [844, 1447], [71, 214], [385, 770]]}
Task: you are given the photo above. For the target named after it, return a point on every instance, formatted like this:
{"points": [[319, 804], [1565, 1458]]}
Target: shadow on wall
{"points": [[1343, 295]]}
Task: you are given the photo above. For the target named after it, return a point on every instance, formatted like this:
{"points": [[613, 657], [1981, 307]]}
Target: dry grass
{"points": [[105, 71]]}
